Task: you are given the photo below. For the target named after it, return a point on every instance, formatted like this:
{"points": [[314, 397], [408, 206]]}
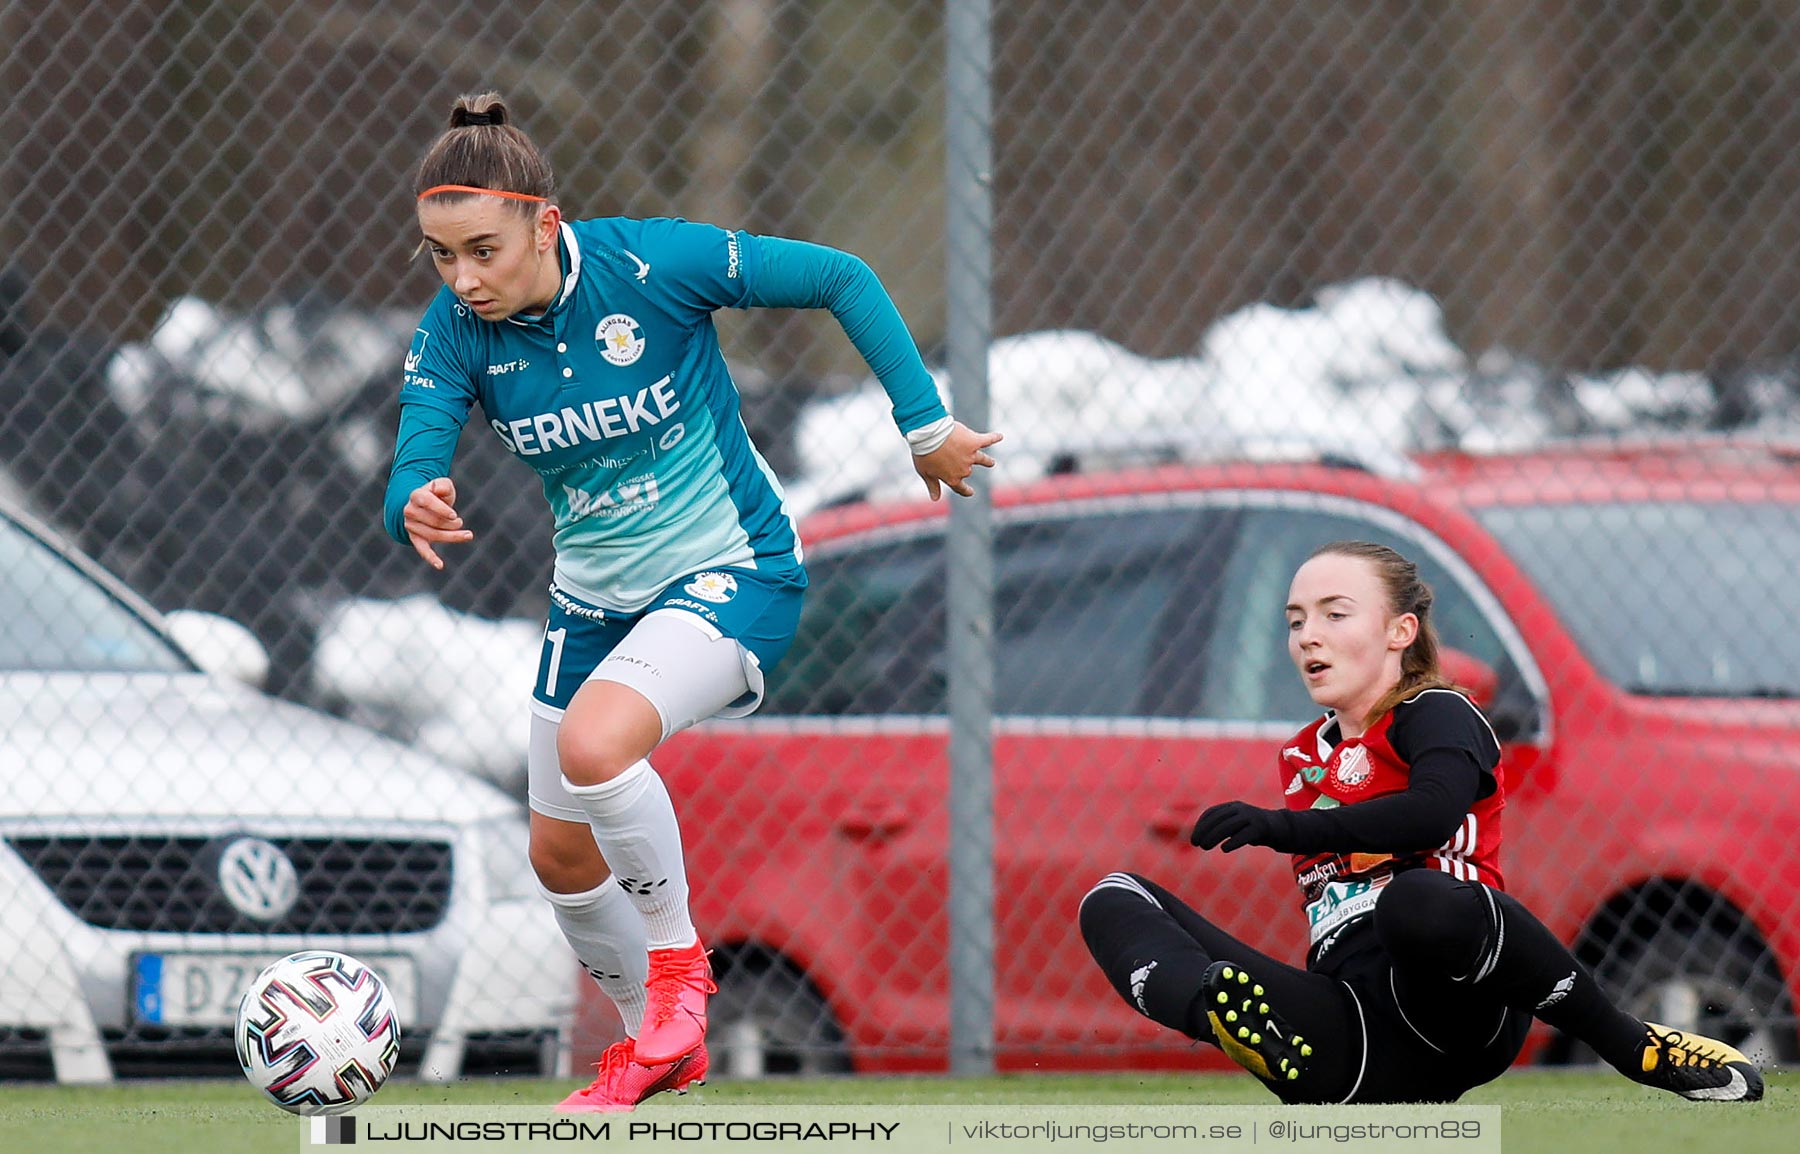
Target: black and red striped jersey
{"points": [[1321, 769]]}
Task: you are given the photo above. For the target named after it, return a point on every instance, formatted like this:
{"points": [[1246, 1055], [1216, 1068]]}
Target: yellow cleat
{"points": [[1265, 1045], [1698, 1068]]}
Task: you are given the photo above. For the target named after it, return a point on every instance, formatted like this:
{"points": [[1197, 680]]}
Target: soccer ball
{"points": [[317, 1032]]}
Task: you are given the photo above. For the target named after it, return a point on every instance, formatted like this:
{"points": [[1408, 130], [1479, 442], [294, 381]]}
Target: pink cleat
{"points": [[623, 1081], [675, 1018]]}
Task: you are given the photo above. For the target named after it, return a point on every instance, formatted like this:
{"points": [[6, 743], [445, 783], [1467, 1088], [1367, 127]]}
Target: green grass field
{"points": [[1590, 1112]]}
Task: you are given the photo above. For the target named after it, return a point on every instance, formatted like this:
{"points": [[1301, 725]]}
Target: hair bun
{"points": [[488, 112]]}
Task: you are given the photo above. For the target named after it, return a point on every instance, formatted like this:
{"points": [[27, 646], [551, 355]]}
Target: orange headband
{"points": [[488, 191]]}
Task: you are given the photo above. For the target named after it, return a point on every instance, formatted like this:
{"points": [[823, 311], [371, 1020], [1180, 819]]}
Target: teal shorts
{"points": [[758, 610]]}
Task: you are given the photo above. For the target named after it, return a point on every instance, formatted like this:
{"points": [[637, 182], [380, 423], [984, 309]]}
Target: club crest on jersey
{"points": [[1353, 769], [715, 587], [621, 339]]}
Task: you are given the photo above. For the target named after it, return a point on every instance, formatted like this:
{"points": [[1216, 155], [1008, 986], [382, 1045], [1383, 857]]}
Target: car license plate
{"points": [[205, 989]]}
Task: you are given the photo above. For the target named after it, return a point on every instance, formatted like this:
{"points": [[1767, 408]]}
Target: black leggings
{"points": [[1426, 997]]}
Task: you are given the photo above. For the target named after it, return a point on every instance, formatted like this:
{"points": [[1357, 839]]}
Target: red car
{"points": [[1630, 617]]}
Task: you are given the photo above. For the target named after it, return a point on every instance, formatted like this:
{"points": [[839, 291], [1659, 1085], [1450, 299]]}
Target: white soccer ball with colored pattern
{"points": [[317, 1032]]}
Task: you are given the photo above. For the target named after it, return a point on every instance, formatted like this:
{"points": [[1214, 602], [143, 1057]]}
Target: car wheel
{"points": [[767, 1019], [1706, 981]]}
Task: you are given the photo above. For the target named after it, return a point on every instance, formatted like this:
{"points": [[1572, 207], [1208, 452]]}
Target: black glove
{"points": [[1238, 824]]}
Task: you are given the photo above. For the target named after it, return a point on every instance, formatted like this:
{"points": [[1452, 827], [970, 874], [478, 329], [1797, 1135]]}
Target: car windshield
{"points": [[57, 619], [1681, 599]]}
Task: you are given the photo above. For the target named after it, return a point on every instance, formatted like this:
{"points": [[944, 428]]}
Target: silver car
{"points": [[165, 832]]}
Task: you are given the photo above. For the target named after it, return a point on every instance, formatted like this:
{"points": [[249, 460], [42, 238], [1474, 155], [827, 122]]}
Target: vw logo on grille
{"points": [[258, 879]]}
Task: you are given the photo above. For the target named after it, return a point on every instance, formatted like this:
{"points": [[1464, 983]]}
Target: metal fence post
{"points": [[968, 272]]}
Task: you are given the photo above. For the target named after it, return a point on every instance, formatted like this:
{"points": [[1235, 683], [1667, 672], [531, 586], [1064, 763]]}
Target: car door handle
{"points": [[873, 822], [1174, 821]]}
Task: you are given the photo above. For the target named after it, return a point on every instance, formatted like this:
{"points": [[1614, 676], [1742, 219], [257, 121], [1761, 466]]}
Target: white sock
{"points": [[634, 823], [607, 934]]}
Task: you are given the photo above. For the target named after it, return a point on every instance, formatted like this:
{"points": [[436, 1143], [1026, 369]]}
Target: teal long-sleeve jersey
{"points": [[619, 397]]}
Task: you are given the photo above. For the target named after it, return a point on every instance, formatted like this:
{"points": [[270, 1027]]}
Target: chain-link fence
{"points": [[1508, 284]]}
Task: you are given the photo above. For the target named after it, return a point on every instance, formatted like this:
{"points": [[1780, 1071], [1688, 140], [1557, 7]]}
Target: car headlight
{"points": [[503, 843]]}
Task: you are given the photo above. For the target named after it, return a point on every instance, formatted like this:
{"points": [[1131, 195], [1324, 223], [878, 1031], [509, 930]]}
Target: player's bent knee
{"points": [[1120, 886], [1115, 900], [591, 758], [1090, 911], [607, 729], [568, 878], [1420, 887], [1429, 919], [566, 861]]}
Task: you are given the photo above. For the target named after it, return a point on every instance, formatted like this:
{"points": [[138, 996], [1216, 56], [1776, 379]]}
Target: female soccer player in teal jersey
{"points": [[590, 348]]}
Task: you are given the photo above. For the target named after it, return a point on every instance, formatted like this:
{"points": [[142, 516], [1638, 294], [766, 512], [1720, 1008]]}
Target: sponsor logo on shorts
{"points": [[575, 608], [703, 612], [717, 588]]}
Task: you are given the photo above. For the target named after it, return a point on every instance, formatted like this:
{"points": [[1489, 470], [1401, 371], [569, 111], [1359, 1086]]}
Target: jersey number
{"points": [[555, 639]]}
